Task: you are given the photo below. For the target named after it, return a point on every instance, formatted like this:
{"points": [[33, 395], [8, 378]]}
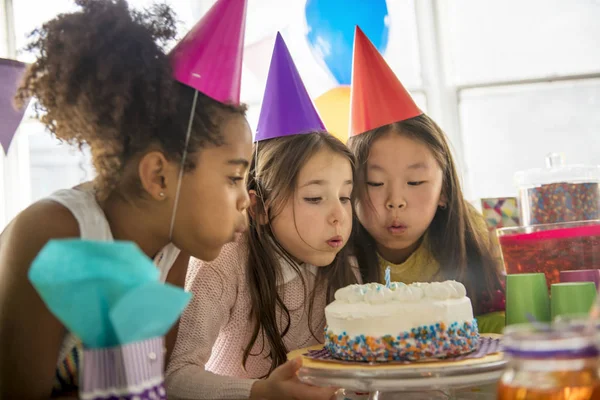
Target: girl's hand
{"points": [[283, 384]]}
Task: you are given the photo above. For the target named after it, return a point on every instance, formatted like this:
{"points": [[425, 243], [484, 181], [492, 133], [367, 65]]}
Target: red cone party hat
{"points": [[377, 97]]}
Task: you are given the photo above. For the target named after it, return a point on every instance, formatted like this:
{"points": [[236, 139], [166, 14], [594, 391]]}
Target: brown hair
{"points": [[102, 79], [464, 252], [274, 179]]}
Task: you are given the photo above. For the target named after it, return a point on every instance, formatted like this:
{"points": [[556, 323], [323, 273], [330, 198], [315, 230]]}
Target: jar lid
{"points": [[541, 341], [557, 171], [561, 230]]}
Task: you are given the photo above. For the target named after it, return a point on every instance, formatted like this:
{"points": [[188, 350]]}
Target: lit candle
{"points": [[387, 277]]}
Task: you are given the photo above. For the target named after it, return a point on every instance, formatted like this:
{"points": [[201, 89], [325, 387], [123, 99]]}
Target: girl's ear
{"points": [[157, 175], [443, 203], [257, 208]]}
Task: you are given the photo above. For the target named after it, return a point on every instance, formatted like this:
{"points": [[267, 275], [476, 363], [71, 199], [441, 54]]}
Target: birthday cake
{"points": [[373, 322]]}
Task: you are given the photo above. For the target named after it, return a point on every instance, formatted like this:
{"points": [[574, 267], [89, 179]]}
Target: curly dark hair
{"points": [[103, 79]]}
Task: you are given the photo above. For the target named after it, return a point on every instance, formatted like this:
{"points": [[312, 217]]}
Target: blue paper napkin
{"points": [[106, 293]]}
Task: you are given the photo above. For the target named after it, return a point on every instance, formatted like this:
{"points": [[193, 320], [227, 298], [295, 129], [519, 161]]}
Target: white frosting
{"points": [[351, 294], [408, 294], [459, 287], [375, 310], [376, 293]]}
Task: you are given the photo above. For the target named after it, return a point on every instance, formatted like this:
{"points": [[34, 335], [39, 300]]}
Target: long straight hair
{"points": [[273, 174], [464, 252]]}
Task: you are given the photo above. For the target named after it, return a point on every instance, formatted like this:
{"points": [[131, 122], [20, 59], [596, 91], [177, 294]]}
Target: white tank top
{"points": [[94, 226]]}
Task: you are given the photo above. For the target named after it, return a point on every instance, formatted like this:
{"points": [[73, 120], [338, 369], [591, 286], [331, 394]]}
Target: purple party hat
{"points": [[286, 108]]}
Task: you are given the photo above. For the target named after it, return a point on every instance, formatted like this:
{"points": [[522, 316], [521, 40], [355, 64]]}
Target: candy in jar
{"points": [[550, 363]]}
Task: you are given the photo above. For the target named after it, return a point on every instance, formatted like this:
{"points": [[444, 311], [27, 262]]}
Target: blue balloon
{"points": [[331, 31]]}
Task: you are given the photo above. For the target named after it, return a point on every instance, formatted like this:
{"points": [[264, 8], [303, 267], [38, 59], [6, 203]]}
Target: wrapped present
{"points": [[108, 294], [500, 212]]}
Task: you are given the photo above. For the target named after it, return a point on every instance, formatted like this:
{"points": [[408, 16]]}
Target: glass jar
{"points": [[551, 248], [559, 192], [550, 362]]}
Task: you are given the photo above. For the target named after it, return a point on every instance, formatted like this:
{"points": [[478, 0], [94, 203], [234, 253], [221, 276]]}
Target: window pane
{"points": [[421, 99], [513, 128], [3, 37], [185, 11], [54, 165], [252, 116], [31, 14], [402, 53], [266, 17], [507, 40]]}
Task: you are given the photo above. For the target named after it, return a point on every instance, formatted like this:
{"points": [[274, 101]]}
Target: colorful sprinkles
{"points": [[433, 341], [562, 202]]}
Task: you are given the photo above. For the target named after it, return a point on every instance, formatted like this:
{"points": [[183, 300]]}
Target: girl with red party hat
{"points": [[266, 294], [170, 145], [413, 216]]}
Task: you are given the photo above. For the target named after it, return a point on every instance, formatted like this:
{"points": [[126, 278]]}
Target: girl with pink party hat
{"points": [[167, 134], [413, 216], [265, 295]]}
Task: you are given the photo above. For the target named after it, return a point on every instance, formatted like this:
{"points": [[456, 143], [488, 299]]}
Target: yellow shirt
{"points": [[421, 266]]}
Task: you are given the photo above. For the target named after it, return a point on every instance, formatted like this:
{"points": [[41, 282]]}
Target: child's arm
{"points": [[176, 277], [30, 336]]}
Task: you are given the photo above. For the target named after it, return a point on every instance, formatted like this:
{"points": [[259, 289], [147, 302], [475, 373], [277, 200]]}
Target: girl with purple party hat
{"points": [[265, 295], [170, 145]]}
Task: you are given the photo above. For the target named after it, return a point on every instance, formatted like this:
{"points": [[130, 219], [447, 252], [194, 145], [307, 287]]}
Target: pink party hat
{"points": [[286, 108], [209, 57]]}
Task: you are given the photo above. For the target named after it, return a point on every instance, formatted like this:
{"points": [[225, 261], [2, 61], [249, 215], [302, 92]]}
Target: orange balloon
{"points": [[334, 109]]}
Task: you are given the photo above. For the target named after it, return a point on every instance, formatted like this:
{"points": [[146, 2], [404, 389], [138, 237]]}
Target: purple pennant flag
{"points": [[10, 74], [286, 108]]}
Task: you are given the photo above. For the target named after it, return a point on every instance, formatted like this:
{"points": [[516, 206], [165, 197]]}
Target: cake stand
{"points": [[439, 379]]}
